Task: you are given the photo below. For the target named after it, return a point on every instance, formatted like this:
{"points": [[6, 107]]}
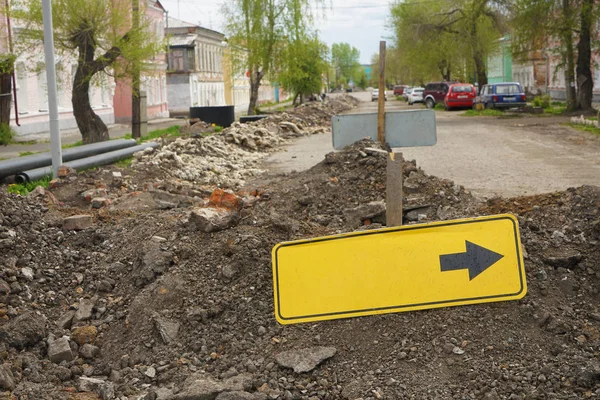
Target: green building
{"points": [[500, 63]]}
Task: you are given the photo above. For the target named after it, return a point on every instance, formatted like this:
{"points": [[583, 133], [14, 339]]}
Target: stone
{"points": [[89, 351], [7, 380], [24, 331], [237, 395], [99, 202], [90, 194], [566, 260], [84, 312], [373, 210], [39, 191], [65, 320], [213, 219], [167, 329], [27, 273], [220, 198], [199, 387], [65, 170], [304, 360], [4, 287], [239, 383], [59, 350], [84, 334], [150, 372], [62, 373], [77, 222], [229, 270], [105, 390]]}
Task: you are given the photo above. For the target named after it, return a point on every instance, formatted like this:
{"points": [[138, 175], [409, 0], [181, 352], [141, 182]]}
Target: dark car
{"points": [[399, 89], [501, 95], [460, 95], [434, 93]]}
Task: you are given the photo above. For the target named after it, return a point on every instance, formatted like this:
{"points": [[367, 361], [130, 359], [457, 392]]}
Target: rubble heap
{"points": [[142, 303]]}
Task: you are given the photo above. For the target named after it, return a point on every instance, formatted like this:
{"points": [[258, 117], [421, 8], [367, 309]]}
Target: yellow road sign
{"points": [[405, 268]]}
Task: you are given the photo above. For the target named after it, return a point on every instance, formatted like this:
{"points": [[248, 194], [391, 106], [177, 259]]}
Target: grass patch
{"points": [[24, 188], [400, 98], [586, 128], [555, 110], [217, 128], [27, 153], [71, 145], [7, 134], [172, 131], [124, 163], [439, 107], [488, 112]]}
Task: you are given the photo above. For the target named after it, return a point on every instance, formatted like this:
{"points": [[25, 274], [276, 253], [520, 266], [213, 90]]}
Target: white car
{"points": [[415, 96], [375, 95]]}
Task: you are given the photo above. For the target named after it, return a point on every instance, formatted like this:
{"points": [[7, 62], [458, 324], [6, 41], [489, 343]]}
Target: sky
{"points": [[358, 22]]}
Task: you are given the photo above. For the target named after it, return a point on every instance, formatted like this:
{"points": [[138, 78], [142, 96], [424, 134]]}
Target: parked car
{"points": [[460, 95], [501, 95], [375, 95], [415, 96], [406, 92], [399, 90], [434, 93]]}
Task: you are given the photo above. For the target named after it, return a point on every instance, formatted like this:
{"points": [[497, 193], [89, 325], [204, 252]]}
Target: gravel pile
{"points": [[140, 304]]}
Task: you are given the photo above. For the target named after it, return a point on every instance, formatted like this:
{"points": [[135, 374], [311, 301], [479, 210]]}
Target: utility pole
{"points": [[135, 80]]}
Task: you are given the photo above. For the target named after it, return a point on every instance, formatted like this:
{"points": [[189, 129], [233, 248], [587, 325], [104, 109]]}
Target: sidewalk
{"points": [[40, 142]]}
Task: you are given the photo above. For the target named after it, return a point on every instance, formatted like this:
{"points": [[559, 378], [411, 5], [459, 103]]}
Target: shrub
{"points": [[542, 101], [6, 134]]}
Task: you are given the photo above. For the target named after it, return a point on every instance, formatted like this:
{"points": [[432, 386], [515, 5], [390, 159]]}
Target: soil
{"points": [[170, 302]]}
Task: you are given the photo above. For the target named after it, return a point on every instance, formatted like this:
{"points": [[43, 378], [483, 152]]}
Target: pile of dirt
{"points": [[140, 304], [229, 158]]}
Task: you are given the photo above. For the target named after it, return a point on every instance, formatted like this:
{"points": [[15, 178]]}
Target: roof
{"points": [[174, 23], [182, 40], [177, 23]]}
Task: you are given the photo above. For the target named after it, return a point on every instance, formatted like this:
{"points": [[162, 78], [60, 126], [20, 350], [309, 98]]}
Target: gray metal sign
{"points": [[408, 128]]}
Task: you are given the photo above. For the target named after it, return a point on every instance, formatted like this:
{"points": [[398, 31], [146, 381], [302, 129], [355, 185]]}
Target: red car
{"points": [[460, 95]]}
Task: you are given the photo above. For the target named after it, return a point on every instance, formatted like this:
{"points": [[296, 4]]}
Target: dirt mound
{"points": [[141, 304]]}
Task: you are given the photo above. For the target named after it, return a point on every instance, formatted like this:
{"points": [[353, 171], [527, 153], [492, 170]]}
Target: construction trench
{"points": [[155, 281]]}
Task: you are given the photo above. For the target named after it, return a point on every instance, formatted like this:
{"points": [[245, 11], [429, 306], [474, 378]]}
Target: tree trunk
{"points": [[5, 97], [570, 57], [480, 69], [585, 82], [92, 128], [255, 78]]}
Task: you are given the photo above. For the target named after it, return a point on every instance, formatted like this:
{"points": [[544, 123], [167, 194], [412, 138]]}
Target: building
{"points": [[153, 79], [195, 76]]}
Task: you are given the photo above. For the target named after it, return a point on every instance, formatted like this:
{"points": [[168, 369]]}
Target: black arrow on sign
{"points": [[476, 259]]}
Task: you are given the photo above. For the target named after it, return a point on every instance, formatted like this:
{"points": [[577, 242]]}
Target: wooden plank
{"points": [[393, 190], [381, 99]]}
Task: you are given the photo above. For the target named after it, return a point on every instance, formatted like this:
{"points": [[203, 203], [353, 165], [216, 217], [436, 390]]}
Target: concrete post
{"points": [[143, 113]]}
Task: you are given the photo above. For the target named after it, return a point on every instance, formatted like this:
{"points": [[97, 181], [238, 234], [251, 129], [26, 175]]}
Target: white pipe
{"points": [[51, 81]]}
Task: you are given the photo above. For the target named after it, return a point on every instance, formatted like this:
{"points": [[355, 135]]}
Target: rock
{"points": [[60, 350], [199, 387], [39, 191], [239, 383], [213, 220], [304, 360], [84, 334], [89, 351], [167, 329], [225, 199], [77, 222], [84, 312], [24, 331], [241, 396], [64, 322], [62, 373], [105, 390], [566, 260], [150, 372], [99, 202], [65, 170], [373, 210], [4, 287], [27, 273], [229, 270], [7, 380]]}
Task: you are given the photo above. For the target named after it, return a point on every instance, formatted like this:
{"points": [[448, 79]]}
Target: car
{"points": [[415, 96], [501, 95], [460, 95], [406, 92], [375, 95], [399, 90], [434, 93]]}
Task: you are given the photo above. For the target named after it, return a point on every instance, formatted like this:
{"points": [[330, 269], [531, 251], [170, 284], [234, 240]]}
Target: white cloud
{"points": [[358, 22]]}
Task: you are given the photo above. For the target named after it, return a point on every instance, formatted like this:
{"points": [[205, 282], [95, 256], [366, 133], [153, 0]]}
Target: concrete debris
{"points": [[60, 350], [24, 331], [167, 329], [85, 311], [105, 390], [77, 222], [212, 219], [305, 360]]}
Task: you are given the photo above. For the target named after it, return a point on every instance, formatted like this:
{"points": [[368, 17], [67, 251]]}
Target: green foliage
{"points": [[586, 128], [217, 128], [556, 110], [303, 64], [172, 131], [400, 98], [24, 188], [488, 112], [542, 101], [124, 163], [439, 107], [345, 61], [7, 63], [27, 153], [6, 134], [71, 145]]}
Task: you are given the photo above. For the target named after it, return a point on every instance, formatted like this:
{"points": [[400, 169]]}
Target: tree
{"points": [[258, 33], [303, 65], [553, 26], [345, 59], [99, 34]]}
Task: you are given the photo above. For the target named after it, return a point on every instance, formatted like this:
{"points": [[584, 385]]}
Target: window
{"points": [[462, 89], [177, 59], [182, 59], [508, 89]]}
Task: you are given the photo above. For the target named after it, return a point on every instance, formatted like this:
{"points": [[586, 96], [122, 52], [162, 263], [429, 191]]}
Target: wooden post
{"points": [[393, 193], [135, 81], [381, 98]]}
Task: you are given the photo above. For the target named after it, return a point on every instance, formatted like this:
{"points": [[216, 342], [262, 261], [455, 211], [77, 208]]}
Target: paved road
{"points": [[489, 156]]}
